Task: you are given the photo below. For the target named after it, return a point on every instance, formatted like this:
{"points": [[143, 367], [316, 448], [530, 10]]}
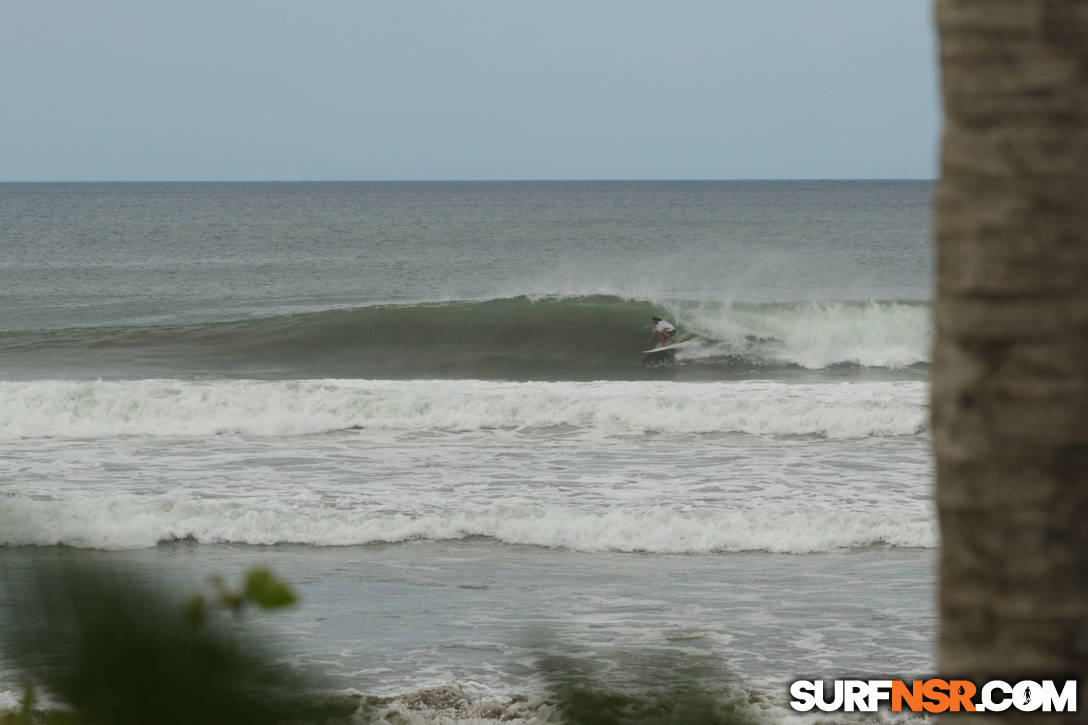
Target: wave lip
{"points": [[105, 409], [131, 523]]}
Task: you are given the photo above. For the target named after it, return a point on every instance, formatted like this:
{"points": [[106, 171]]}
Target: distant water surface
{"points": [[427, 404]]}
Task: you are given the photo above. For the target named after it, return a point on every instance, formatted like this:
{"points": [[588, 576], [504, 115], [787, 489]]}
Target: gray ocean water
{"points": [[427, 405]]}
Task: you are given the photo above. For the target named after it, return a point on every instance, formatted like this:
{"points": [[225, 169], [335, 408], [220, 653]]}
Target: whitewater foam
{"points": [[130, 522], [813, 335], [101, 409]]}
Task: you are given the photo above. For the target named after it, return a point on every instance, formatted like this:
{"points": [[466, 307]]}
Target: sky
{"points": [[219, 90]]}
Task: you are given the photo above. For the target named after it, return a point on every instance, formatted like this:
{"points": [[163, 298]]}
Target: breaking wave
{"points": [[102, 409], [139, 522], [521, 338]]}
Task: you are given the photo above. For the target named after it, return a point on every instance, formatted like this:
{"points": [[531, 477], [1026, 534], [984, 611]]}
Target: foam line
{"points": [[103, 409]]}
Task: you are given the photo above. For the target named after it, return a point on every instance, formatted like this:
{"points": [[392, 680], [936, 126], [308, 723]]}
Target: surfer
{"points": [[663, 330]]}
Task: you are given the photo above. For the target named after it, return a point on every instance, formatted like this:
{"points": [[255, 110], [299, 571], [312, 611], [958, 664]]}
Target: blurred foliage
{"points": [[116, 650], [265, 590], [119, 652], [261, 588], [28, 715]]}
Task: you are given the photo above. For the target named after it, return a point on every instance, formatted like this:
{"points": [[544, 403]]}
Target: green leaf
{"points": [[107, 641], [265, 590]]}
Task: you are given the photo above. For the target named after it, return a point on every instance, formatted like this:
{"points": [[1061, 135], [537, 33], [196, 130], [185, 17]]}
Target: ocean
{"points": [[427, 407]]}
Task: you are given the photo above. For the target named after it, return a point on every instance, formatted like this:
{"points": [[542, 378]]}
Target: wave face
{"points": [[105, 409], [518, 338]]}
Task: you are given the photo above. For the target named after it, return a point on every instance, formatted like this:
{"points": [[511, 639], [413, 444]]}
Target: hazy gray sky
{"points": [[467, 89]]}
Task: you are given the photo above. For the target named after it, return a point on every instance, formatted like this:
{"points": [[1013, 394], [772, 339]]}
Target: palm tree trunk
{"points": [[1010, 371]]}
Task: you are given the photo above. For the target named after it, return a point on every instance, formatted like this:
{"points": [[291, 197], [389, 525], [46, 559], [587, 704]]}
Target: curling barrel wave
{"points": [[518, 338]]}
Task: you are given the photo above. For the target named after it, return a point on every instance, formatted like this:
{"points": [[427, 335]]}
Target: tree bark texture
{"points": [[1010, 363]]}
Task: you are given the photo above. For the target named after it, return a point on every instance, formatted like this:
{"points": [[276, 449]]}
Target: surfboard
{"points": [[672, 346]]}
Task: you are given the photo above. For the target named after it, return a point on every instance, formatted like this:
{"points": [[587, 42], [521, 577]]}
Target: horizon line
{"points": [[470, 181]]}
